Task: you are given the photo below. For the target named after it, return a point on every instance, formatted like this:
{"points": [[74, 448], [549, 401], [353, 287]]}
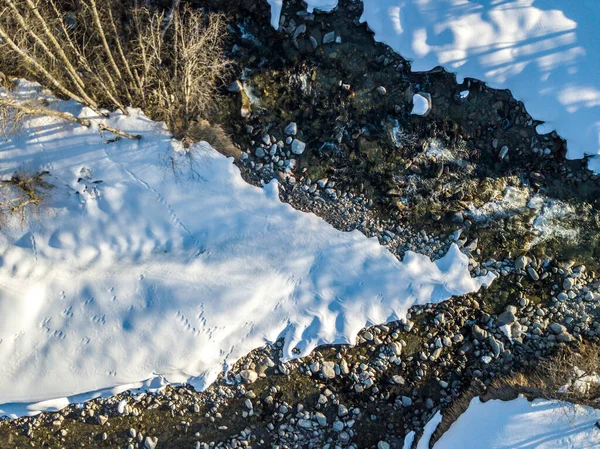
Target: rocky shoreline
{"points": [[326, 111]]}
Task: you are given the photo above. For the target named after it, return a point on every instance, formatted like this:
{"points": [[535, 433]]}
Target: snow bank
{"points": [[150, 260], [520, 424], [545, 52]]}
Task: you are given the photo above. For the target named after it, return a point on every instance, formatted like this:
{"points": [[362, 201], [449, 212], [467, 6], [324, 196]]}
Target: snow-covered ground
{"points": [[544, 51], [152, 261], [520, 424]]}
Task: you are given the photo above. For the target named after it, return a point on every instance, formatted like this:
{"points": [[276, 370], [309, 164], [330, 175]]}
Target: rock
{"points": [[321, 419], [533, 274], [565, 337], [329, 38], [568, 283], [338, 426], [102, 419], [150, 442], [383, 445], [479, 333], [395, 348], [505, 318], [497, 347], [300, 30], [557, 328], [235, 87], [313, 42], [503, 153], [381, 90], [344, 368], [328, 370], [521, 262], [248, 376], [398, 380], [305, 423], [406, 401], [298, 146], [291, 129], [259, 152], [342, 410]]}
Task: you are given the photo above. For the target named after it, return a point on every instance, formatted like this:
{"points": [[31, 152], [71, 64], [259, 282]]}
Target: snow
{"points": [[520, 424], [276, 6], [545, 52], [421, 105], [152, 262]]}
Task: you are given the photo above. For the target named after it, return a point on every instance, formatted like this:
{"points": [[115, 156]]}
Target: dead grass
{"points": [[22, 195], [202, 130]]}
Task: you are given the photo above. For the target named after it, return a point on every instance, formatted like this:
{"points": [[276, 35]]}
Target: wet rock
{"points": [[260, 153], [381, 90]]}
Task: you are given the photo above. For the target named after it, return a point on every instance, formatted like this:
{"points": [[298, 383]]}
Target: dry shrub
{"points": [[544, 381], [203, 130], [104, 53], [22, 194]]}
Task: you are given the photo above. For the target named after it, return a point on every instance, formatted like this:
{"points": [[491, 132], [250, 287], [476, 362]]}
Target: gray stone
{"points": [[328, 370], [248, 376], [568, 283], [521, 262], [395, 348], [305, 423], [298, 146], [497, 347], [338, 426], [321, 419], [506, 318], [533, 274], [565, 337], [383, 445], [259, 152], [342, 410], [381, 90], [329, 38], [406, 401], [479, 333], [557, 328], [150, 442], [235, 87]]}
